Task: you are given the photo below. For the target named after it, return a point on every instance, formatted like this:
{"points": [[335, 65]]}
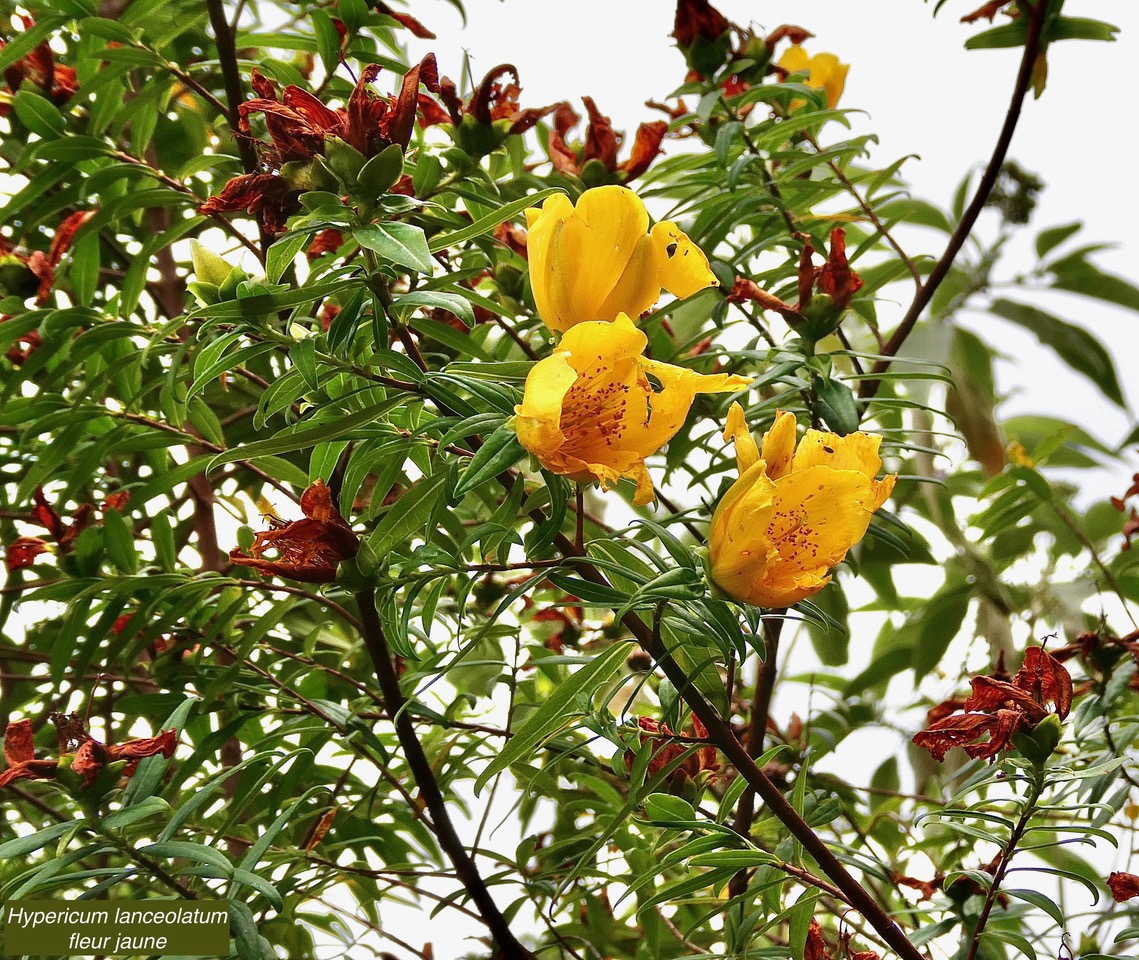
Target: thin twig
{"points": [[941, 269], [465, 868], [1006, 859], [227, 58], [721, 732], [757, 729]]}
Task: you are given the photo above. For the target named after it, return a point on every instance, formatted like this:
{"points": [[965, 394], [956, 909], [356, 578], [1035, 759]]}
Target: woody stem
{"points": [[721, 733], [395, 704], [757, 728], [969, 219], [1006, 858]]}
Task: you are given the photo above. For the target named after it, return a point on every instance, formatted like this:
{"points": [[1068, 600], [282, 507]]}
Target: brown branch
{"points": [[941, 269], [234, 94], [1006, 858], [721, 732], [757, 729], [465, 868]]}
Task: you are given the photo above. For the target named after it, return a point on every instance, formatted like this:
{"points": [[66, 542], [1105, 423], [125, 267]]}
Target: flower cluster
{"points": [[705, 36], [301, 128]]}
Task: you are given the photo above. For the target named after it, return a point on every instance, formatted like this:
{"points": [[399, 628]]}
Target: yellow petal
{"points": [[588, 253], [600, 343], [682, 267], [542, 223], [539, 413], [829, 74], [855, 451], [882, 490], [779, 444], [639, 285], [795, 59], [824, 72], [819, 514], [747, 452], [739, 548], [669, 406], [786, 591]]}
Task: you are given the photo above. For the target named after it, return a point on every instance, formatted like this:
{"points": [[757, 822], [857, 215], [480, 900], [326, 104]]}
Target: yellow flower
{"points": [[590, 412], [824, 71], [794, 512], [599, 259]]}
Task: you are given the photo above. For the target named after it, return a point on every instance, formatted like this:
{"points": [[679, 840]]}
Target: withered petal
{"points": [[46, 516], [646, 148], [601, 142], [939, 738], [1046, 679], [30, 770], [22, 552], [19, 746], [1123, 886]]}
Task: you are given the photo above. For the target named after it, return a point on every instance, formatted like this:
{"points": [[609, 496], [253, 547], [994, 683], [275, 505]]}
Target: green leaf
{"points": [[1080, 28], [735, 859], [281, 254], [398, 243], [198, 852], [556, 713], [38, 114], [830, 638], [485, 224], [1074, 345], [1006, 35], [500, 451], [665, 808], [118, 539], [1076, 275], [408, 514], [1051, 238], [307, 435], [13, 850], [1039, 900], [380, 172], [150, 807], [451, 302], [839, 408]]}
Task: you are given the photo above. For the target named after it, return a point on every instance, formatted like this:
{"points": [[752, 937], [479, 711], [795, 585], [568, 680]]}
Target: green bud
{"points": [[478, 139], [596, 174], [298, 175], [229, 286], [323, 179], [245, 538], [16, 278], [344, 160], [821, 317], [707, 56], [381, 172], [208, 266], [1037, 746], [755, 50]]}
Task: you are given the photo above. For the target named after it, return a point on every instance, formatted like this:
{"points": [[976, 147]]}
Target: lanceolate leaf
{"points": [[1074, 345], [556, 713]]}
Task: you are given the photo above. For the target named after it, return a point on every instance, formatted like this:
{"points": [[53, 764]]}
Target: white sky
{"points": [[923, 94]]}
